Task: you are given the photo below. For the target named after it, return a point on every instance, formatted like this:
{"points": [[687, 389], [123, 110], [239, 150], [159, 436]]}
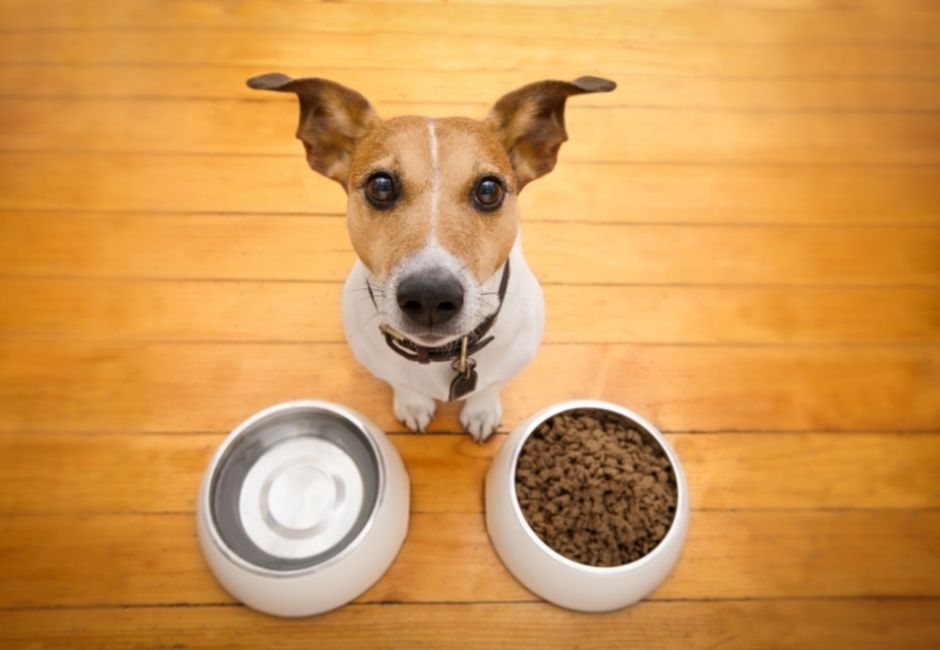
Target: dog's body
{"points": [[517, 334], [441, 303]]}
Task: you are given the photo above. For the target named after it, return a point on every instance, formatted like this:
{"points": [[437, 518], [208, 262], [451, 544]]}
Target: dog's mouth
{"points": [[435, 306], [395, 321], [425, 337], [432, 340], [435, 327]]}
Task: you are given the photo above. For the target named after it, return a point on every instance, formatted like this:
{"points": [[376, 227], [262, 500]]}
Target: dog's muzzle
{"points": [[458, 351], [430, 298]]}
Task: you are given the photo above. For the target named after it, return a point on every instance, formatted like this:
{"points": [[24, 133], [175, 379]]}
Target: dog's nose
{"points": [[430, 298]]}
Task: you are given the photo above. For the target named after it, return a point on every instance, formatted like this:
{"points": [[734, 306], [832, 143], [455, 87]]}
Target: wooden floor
{"points": [[741, 243]]}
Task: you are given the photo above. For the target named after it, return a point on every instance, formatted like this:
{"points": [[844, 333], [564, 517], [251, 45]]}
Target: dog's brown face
{"points": [[452, 184], [432, 208]]}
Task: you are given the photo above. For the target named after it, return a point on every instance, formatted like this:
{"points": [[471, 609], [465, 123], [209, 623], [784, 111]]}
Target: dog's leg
{"points": [[412, 409], [482, 413]]}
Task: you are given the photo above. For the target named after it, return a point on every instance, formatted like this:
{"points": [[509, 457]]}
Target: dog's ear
{"points": [[332, 120], [530, 122]]}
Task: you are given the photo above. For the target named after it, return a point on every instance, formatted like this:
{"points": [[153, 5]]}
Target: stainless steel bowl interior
{"points": [[258, 440]]}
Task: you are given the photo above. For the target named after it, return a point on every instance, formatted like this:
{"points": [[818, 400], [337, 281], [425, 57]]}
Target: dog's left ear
{"points": [[530, 122], [333, 118]]}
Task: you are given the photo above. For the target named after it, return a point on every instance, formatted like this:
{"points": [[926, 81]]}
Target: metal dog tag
{"points": [[465, 382]]}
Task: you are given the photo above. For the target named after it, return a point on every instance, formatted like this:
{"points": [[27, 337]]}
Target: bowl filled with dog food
{"points": [[302, 508], [587, 505]]}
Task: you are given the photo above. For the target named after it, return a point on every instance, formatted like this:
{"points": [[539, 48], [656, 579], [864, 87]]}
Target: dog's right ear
{"points": [[530, 122], [333, 119]]}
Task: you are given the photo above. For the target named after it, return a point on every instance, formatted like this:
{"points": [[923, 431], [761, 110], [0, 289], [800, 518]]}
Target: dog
{"points": [[440, 302]]}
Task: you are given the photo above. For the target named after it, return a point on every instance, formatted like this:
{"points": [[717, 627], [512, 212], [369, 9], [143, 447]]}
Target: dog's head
{"points": [[432, 208]]}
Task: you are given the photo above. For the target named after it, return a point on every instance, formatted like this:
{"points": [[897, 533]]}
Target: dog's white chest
{"points": [[517, 334]]}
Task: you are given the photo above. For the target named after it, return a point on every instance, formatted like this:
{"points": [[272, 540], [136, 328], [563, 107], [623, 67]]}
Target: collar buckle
{"points": [[462, 364]]}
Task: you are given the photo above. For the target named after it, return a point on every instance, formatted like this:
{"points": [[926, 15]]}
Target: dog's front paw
{"points": [[412, 409], [481, 415]]}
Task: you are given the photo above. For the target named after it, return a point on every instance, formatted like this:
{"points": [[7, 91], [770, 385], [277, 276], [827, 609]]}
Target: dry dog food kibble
{"points": [[596, 489]]}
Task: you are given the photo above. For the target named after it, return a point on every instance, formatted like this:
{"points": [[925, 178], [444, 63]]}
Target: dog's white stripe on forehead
{"points": [[435, 178]]}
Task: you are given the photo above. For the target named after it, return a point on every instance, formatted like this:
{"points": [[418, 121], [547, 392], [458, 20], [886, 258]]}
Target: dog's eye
{"points": [[381, 190], [488, 194]]}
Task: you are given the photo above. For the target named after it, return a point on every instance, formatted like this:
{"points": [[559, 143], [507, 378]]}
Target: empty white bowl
{"points": [[303, 507], [553, 576]]}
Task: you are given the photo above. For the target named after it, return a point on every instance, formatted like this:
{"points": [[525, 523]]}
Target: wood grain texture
{"points": [[608, 135], [670, 193], [273, 311], [291, 248], [644, 22], [538, 55], [158, 473], [84, 386], [852, 624], [447, 557], [391, 89]]}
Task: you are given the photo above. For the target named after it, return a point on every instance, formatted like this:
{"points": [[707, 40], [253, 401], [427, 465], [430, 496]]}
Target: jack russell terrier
{"points": [[441, 303]]}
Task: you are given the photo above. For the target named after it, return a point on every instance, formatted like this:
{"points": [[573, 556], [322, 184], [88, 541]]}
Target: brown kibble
{"points": [[596, 489]]}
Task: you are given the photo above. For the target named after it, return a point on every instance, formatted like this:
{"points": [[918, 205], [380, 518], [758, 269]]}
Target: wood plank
{"points": [[612, 193], [457, 52], [154, 559], [165, 387], [159, 473], [651, 22], [858, 624], [390, 89], [270, 247], [269, 311], [822, 6], [626, 135]]}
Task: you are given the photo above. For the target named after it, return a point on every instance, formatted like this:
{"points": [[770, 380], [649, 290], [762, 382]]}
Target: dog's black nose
{"points": [[430, 298]]}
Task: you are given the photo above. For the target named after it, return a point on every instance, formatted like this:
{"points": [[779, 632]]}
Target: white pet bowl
{"points": [[553, 576], [303, 507]]}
